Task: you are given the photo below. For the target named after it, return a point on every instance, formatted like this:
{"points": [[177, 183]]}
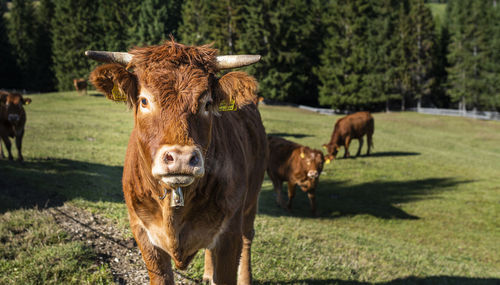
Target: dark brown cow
{"points": [[80, 85], [12, 121], [353, 126], [298, 165], [182, 144]]}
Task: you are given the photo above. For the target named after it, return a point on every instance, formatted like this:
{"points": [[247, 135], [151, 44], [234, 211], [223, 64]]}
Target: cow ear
{"points": [[26, 101], [115, 82], [236, 86]]}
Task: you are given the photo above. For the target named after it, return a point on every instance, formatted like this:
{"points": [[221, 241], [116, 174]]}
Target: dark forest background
{"points": [[341, 54]]}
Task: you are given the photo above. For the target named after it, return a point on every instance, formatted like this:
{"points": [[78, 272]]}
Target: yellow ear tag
{"points": [[327, 161], [302, 155], [223, 106], [117, 94], [324, 147]]}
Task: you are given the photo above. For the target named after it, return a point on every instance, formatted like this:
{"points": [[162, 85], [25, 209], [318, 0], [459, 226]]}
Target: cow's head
{"points": [[332, 149], [311, 162], [175, 94], [13, 106]]}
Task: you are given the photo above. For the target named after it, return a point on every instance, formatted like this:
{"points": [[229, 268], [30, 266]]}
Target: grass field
{"points": [[423, 209]]}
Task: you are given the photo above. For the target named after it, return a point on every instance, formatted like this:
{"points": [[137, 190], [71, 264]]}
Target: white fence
{"points": [[483, 115]]}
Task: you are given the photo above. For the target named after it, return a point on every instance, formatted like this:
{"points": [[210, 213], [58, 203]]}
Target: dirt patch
{"points": [[122, 255]]}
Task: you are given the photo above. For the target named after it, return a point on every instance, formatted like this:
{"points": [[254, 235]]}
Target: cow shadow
{"points": [[298, 136], [402, 281], [378, 154], [381, 199], [51, 182]]}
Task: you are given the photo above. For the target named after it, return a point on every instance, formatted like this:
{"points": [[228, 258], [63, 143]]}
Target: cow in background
{"points": [[353, 126], [298, 165], [80, 85], [193, 171], [12, 121]]}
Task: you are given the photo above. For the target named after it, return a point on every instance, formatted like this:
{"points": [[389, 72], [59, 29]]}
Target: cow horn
{"points": [[107, 56], [233, 61]]}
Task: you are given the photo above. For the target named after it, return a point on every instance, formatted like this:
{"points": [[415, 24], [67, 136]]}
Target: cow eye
{"points": [[208, 105], [144, 102]]}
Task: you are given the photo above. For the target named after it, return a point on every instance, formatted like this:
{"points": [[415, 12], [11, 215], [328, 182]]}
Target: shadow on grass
{"points": [[378, 154], [50, 182], [381, 199], [408, 280], [298, 136]]}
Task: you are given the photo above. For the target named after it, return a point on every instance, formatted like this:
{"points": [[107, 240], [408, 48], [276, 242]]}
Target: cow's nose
{"points": [[312, 173], [178, 160], [13, 117], [175, 157], [195, 159]]}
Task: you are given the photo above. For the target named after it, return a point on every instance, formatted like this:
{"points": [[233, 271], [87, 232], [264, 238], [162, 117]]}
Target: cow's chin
{"points": [[178, 180]]}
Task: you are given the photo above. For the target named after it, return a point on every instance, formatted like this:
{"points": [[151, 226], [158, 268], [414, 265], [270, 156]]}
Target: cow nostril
{"points": [[169, 158], [195, 160]]}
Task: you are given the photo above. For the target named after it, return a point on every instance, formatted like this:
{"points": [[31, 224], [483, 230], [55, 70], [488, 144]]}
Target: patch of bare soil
{"points": [[122, 256]]}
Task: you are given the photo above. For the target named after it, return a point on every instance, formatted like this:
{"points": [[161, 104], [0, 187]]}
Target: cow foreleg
{"points": [[291, 194], [19, 143], [157, 261], [245, 269], [312, 200], [208, 272], [278, 185], [7, 143], [225, 258], [346, 147], [360, 146], [369, 142]]}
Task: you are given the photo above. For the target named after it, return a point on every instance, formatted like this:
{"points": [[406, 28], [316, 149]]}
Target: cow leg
{"points": [[346, 147], [7, 143], [225, 257], [208, 272], [157, 261], [360, 146], [312, 200], [291, 194], [245, 268], [369, 142], [278, 185], [19, 143]]}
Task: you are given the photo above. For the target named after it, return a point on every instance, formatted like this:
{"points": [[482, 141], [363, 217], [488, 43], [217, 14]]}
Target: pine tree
{"points": [[9, 74], [347, 62], [23, 39], [156, 21], [217, 22], [422, 49], [75, 29], [45, 80], [287, 35], [115, 19], [470, 53]]}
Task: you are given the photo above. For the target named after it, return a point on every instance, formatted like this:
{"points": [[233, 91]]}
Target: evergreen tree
{"points": [[470, 53], [156, 21], [347, 62], [23, 39], [9, 74], [45, 80], [217, 22], [288, 36], [115, 19], [75, 29], [422, 49], [403, 80]]}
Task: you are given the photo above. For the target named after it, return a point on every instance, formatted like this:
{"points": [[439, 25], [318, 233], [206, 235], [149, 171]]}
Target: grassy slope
{"points": [[426, 204]]}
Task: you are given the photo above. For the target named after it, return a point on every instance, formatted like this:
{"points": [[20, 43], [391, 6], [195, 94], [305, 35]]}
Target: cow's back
{"points": [[356, 125], [281, 157]]}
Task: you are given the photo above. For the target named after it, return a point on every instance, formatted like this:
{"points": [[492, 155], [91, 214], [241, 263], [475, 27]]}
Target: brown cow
{"points": [[80, 85], [182, 144], [12, 121], [298, 165], [353, 126]]}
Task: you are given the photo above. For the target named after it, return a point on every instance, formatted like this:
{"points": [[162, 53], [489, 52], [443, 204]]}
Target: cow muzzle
{"points": [[178, 166], [312, 174], [13, 118]]}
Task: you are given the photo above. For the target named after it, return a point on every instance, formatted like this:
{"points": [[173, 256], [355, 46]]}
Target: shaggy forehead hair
{"points": [[175, 74]]}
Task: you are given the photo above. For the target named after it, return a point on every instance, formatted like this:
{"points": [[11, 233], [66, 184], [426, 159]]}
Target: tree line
{"points": [[341, 54]]}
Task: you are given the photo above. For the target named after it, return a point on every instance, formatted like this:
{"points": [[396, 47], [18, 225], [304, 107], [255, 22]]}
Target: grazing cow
{"points": [[298, 165], [80, 85], [193, 170], [12, 121], [353, 126]]}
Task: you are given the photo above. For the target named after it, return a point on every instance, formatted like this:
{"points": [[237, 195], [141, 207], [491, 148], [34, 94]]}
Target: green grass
{"points": [[34, 251], [424, 208]]}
